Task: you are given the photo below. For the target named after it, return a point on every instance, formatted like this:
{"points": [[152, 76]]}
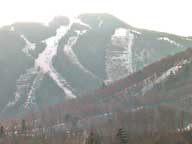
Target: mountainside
{"points": [[157, 98], [41, 65]]}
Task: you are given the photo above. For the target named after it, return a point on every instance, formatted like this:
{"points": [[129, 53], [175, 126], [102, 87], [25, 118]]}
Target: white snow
{"points": [[28, 46], [135, 31], [12, 28], [61, 82], [17, 97], [23, 84], [76, 20], [68, 51], [44, 60], [119, 59], [36, 83], [137, 109], [100, 22], [188, 38], [107, 82], [165, 75], [170, 41], [149, 84], [188, 127], [120, 32], [43, 65]]}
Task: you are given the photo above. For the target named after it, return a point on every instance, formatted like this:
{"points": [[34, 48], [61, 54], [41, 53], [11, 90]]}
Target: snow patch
{"points": [[150, 82], [36, 84], [28, 46], [77, 20], [44, 60], [62, 83], [188, 38], [188, 127], [119, 56], [100, 22], [137, 109], [120, 32], [23, 84], [68, 51], [12, 28], [170, 41], [171, 71], [135, 31]]}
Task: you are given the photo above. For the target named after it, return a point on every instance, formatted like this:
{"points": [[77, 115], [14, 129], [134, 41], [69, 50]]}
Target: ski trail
{"points": [[35, 85], [68, 51], [23, 84], [44, 61], [129, 63], [29, 46], [119, 57], [149, 83], [61, 82], [166, 39]]}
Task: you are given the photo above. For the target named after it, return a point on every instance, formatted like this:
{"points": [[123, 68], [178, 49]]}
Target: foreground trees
{"points": [[122, 136], [2, 132], [93, 138]]}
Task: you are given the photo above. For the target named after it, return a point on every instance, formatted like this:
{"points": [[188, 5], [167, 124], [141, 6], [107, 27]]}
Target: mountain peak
{"points": [[58, 21]]}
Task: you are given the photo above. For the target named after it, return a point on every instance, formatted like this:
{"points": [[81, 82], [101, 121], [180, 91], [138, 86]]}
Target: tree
{"points": [[23, 126], [122, 136], [94, 138], [2, 132]]}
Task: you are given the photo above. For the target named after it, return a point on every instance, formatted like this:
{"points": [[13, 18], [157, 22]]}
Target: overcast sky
{"points": [[173, 16]]}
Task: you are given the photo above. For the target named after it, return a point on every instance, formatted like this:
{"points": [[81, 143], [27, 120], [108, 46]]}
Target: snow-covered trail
{"points": [[150, 82], [44, 61], [62, 83], [166, 39], [68, 51], [23, 84], [35, 85], [119, 57], [129, 63]]}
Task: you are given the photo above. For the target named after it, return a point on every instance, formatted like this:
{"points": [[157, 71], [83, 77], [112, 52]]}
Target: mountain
{"points": [[44, 64]]}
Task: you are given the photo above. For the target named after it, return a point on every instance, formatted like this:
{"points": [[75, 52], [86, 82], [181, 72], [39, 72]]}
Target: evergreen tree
{"points": [[23, 126], [122, 136], [2, 132], [94, 138]]}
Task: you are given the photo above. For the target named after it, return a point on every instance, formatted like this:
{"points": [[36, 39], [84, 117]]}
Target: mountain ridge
{"points": [[80, 56]]}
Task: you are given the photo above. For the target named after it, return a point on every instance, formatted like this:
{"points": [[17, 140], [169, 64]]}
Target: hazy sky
{"points": [[172, 16]]}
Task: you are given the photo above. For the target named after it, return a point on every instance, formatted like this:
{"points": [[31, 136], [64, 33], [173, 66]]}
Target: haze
{"points": [[173, 16]]}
